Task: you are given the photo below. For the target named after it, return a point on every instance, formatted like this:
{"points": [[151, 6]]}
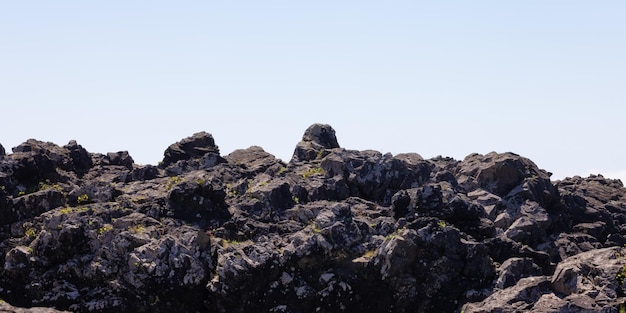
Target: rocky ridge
{"points": [[333, 230]]}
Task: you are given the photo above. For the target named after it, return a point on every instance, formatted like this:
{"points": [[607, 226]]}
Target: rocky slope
{"points": [[333, 230]]}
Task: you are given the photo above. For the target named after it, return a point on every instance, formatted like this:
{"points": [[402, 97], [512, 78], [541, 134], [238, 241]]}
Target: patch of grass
{"points": [[316, 229], [69, 210], [313, 172], [84, 198], [136, 229], [172, 181], [442, 224], [47, 185], [30, 232], [104, 229], [621, 276]]}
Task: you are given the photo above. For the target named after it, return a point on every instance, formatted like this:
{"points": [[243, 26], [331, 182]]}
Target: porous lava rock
{"points": [[332, 230]]}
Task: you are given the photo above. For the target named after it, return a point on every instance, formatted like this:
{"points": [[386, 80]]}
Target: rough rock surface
{"points": [[333, 230]]}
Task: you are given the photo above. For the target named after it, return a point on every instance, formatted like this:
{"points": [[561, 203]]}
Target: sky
{"points": [[543, 79]]}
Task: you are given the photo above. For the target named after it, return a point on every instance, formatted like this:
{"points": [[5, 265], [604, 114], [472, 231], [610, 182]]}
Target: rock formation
{"points": [[333, 230]]}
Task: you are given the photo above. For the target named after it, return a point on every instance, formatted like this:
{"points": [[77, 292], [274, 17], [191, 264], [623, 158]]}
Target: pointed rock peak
{"points": [[322, 135], [315, 140], [2, 152], [191, 147]]}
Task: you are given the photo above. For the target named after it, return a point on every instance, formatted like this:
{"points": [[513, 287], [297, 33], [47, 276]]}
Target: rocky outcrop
{"points": [[333, 230], [316, 140], [592, 281]]}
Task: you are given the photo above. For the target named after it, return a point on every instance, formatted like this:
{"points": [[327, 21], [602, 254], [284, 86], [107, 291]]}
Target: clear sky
{"points": [[544, 79]]}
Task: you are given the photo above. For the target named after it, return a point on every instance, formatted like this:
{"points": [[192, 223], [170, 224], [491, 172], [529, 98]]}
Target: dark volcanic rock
{"points": [[2, 151], [192, 147], [316, 139], [333, 230]]}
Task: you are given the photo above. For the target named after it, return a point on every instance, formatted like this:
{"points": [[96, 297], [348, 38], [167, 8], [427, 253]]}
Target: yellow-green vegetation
{"points": [[316, 229], [282, 170], [47, 185], [230, 242], [621, 276], [312, 172], [104, 229], [174, 180], [21, 193], [30, 232], [395, 234], [84, 198], [369, 254], [136, 229], [69, 210], [442, 224], [138, 200], [201, 182], [296, 200]]}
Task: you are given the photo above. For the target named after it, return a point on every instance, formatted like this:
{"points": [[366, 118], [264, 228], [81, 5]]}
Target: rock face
{"points": [[333, 230]]}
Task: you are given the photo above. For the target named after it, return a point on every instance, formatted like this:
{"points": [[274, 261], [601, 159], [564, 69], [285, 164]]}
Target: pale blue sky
{"points": [[544, 79]]}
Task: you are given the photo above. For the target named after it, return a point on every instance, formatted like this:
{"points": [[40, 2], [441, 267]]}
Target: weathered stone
{"points": [[80, 159], [334, 230], [316, 139], [514, 269], [188, 148], [121, 158]]}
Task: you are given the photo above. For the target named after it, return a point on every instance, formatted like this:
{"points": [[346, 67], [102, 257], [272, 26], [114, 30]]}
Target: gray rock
{"points": [[587, 282], [188, 148], [514, 269], [316, 139]]}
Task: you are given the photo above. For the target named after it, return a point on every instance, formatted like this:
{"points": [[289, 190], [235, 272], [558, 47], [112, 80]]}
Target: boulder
{"points": [[315, 141], [193, 147], [514, 269], [254, 161], [80, 159], [121, 158]]}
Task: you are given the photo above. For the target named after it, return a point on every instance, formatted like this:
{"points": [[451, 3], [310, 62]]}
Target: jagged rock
{"points": [[37, 161], [2, 151], [507, 174], [31, 205], [519, 298], [588, 282], [254, 160], [142, 173], [193, 147], [196, 199], [316, 139], [333, 230], [514, 269], [80, 158], [121, 158]]}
